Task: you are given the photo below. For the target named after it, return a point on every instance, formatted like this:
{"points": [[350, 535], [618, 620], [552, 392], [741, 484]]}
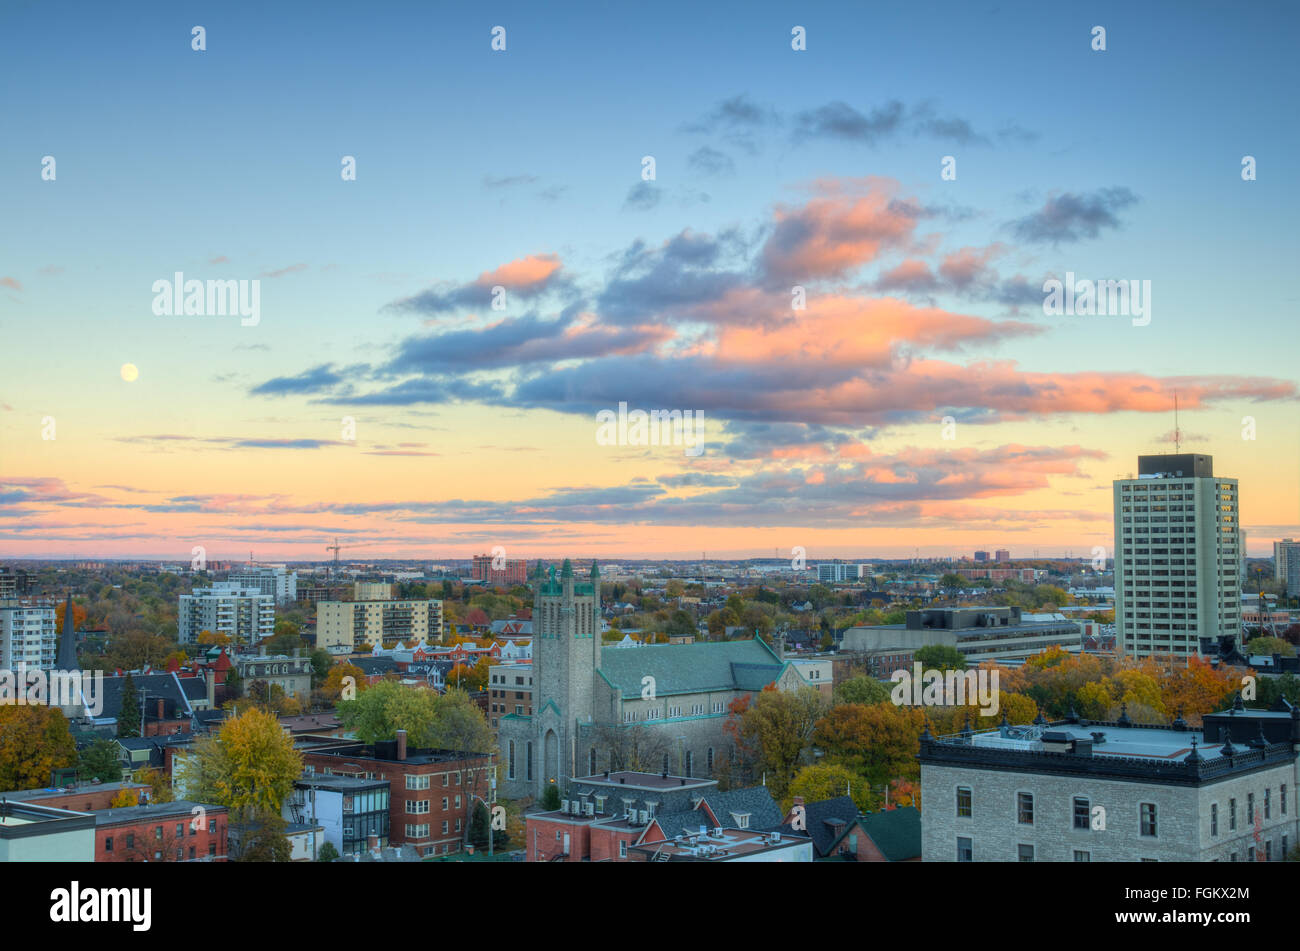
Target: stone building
{"points": [[1114, 792], [659, 708]]}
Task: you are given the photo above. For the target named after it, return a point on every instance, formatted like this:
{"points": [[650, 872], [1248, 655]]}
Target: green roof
{"points": [[690, 668], [896, 832]]}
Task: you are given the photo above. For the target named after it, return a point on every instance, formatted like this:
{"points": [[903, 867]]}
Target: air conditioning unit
{"points": [[645, 817], [590, 808], [564, 805], [774, 838]]}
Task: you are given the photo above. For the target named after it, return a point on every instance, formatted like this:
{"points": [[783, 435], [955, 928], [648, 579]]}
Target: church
{"points": [[658, 708]]}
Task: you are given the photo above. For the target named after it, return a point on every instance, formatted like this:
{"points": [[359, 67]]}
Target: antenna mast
{"points": [[1178, 436]]}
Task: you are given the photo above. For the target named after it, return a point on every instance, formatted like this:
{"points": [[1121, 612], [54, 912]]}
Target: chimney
{"points": [[798, 801], [161, 703], [401, 744]]}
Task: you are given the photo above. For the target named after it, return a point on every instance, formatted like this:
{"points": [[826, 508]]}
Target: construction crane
{"points": [[334, 548]]}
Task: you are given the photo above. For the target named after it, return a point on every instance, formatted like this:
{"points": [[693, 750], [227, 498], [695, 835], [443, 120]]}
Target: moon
{"points": [[129, 372]]}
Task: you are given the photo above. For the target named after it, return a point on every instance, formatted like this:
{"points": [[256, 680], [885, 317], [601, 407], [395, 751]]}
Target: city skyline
{"points": [[922, 401]]}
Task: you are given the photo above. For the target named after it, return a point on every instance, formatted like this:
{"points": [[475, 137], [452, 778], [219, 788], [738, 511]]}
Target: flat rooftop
{"points": [[626, 779], [730, 844], [1153, 743]]}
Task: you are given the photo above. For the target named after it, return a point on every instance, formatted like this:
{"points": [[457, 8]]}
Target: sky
{"points": [[913, 177]]}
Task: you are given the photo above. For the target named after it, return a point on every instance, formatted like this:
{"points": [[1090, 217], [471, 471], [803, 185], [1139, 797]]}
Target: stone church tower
{"points": [[566, 656]]}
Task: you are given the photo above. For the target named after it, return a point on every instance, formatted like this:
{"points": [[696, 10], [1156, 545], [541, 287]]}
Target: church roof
{"points": [[691, 668]]}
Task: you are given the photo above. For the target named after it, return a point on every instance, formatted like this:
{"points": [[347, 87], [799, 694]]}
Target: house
{"points": [[180, 831], [839, 830]]}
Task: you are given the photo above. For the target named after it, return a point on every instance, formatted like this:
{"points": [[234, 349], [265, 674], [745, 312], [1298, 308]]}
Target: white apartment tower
{"points": [[226, 608], [1177, 556], [28, 638]]}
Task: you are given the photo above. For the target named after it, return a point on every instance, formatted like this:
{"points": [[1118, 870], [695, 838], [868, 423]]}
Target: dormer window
{"points": [[742, 819]]}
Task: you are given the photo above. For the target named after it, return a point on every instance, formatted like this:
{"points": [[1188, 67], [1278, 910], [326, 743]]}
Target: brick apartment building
{"points": [[431, 791], [181, 831], [514, 571]]}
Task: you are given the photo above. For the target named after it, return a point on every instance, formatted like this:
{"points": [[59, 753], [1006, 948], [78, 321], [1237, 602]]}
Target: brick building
{"points": [[431, 792], [181, 831]]}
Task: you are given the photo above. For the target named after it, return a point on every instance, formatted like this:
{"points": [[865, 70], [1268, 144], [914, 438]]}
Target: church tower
{"points": [[566, 655]]}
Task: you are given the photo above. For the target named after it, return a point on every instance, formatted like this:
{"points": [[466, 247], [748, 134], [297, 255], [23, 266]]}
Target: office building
{"points": [[1286, 555], [981, 556], [831, 572], [1177, 554], [1002, 554], [982, 633], [13, 582]]}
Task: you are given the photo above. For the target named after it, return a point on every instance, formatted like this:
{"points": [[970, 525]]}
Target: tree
{"points": [[321, 663], [1270, 645], [822, 781], [78, 616], [337, 682], [680, 623], [124, 799], [260, 835], [209, 639], [633, 746], [327, 853], [250, 764], [863, 690], [128, 715], [480, 825], [382, 710], [879, 742], [951, 580], [34, 742], [776, 730], [551, 798], [160, 784], [100, 760], [940, 657]]}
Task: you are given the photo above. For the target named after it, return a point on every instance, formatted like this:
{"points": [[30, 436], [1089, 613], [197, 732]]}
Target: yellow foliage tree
{"points": [[250, 764], [34, 741], [125, 799]]}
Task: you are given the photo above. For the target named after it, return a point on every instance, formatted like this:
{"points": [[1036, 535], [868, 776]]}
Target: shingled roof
{"points": [[754, 801], [825, 822], [691, 668], [896, 832]]}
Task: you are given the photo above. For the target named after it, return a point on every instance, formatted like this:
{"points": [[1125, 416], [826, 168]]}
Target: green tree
{"points": [[100, 760], [260, 833], [128, 716], [480, 825], [863, 690], [680, 623], [821, 781], [1270, 645], [551, 798], [321, 662], [380, 711], [940, 657], [327, 853], [951, 580]]}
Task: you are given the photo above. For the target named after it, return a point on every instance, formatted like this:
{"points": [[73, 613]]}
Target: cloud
{"points": [[709, 161], [291, 269], [839, 120], [643, 196], [318, 378], [11, 282], [508, 180], [1070, 217], [525, 278]]}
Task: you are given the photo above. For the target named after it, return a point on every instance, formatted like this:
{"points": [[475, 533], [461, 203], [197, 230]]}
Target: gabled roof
{"points": [[176, 693], [825, 822], [754, 801], [691, 668], [896, 832]]}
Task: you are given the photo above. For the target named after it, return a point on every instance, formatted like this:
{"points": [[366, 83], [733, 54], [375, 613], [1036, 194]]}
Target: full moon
{"points": [[129, 372]]}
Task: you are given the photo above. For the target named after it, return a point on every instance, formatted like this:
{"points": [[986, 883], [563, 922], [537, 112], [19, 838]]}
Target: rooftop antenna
{"points": [[1178, 436]]}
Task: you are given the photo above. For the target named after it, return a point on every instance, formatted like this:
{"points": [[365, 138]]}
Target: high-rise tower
{"points": [[1177, 556]]}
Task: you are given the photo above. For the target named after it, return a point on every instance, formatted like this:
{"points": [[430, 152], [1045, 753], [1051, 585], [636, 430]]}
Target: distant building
{"points": [[1177, 554], [1026, 575], [981, 633], [832, 572], [292, 674], [273, 580], [13, 582], [350, 624], [510, 690], [372, 591], [1002, 554], [1286, 553], [243, 614], [981, 556], [512, 571]]}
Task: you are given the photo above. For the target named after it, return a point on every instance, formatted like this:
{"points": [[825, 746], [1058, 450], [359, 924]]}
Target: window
{"points": [[130, 840], [1025, 853], [1081, 856], [690, 763], [1214, 818], [157, 833], [709, 761], [1250, 808], [444, 826], [511, 763], [963, 802], [157, 856], [742, 820], [1148, 818], [1025, 808], [108, 844], [1268, 805], [665, 762], [622, 849], [1268, 851], [191, 853], [528, 752], [444, 803], [1283, 798], [592, 771], [1232, 816], [415, 807], [180, 854], [417, 782], [212, 825], [965, 851], [1082, 813], [458, 802]]}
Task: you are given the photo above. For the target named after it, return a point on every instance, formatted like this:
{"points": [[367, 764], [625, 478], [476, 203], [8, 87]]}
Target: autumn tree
{"points": [[250, 763], [879, 741], [160, 784], [777, 728], [337, 682], [864, 690], [34, 742], [258, 835], [124, 799], [633, 746], [822, 781], [78, 616]]}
